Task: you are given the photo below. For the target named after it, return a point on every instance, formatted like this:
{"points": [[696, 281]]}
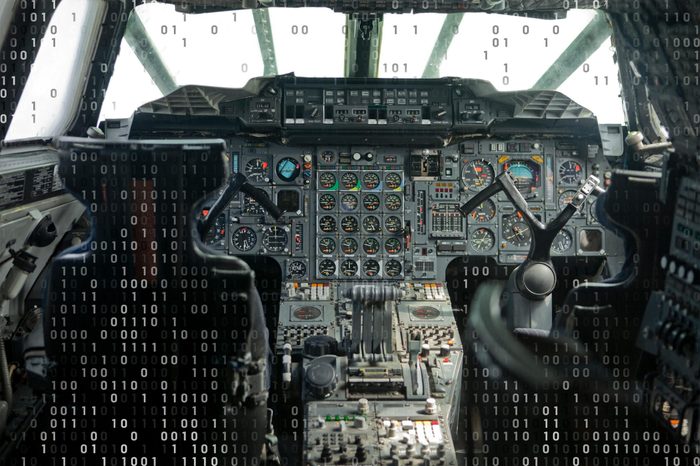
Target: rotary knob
{"points": [[321, 378], [320, 345], [361, 453], [363, 406], [430, 406], [425, 350], [444, 350]]}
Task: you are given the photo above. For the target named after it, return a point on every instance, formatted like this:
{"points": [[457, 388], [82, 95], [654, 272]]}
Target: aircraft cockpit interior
{"points": [[408, 232]]}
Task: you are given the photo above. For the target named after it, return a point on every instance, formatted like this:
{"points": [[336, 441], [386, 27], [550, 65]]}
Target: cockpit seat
{"points": [[163, 341]]}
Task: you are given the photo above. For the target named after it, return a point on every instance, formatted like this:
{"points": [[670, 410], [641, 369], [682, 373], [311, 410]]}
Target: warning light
{"points": [[264, 164], [205, 212]]}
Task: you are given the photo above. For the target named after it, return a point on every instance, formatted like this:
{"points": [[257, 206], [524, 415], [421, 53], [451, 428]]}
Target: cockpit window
{"points": [[49, 98], [164, 49]]}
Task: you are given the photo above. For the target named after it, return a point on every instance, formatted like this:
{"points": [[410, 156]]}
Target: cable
{"points": [[5, 375]]}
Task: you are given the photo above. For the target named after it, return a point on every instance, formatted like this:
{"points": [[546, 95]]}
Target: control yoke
{"points": [[237, 182], [536, 277]]}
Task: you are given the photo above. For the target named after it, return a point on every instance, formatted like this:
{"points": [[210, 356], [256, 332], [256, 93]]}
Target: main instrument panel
{"points": [[391, 213], [371, 175]]}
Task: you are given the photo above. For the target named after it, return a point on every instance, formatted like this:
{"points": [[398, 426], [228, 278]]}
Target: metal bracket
{"points": [[248, 379]]}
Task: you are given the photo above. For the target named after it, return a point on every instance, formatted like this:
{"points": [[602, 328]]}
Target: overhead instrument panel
{"points": [[326, 102]]}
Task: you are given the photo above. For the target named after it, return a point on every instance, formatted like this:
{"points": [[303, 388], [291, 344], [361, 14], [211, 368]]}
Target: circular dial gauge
{"points": [[515, 230], [525, 173], [244, 239], [392, 180], [563, 241], [482, 239], [256, 170], [349, 224], [393, 224], [484, 212], [370, 246], [217, 234], [274, 239], [326, 245], [591, 210], [349, 180], [370, 267], [296, 269], [348, 268], [348, 246], [477, 174], [348, 202], [570, 172], [371, 201], [370, 180], [288, 169], [326, 267], [326, 180], [392, 268], [327, 224], [326, 201], [306, 313], [371, 224], [425, 313], [565, 198], [392, 202], [392, 246]]}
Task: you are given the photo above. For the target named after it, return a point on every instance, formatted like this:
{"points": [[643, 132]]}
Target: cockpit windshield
{"points": [[164, 49]]}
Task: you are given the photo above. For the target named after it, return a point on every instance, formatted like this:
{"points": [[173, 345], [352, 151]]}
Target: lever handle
{"points": [[536, 277], [237, 182], [263, 199]]}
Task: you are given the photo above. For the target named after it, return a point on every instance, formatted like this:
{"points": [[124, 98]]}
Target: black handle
{"points": [[237, 182], [535, 277], [263, 199], [234, 185], [542, 235]]}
